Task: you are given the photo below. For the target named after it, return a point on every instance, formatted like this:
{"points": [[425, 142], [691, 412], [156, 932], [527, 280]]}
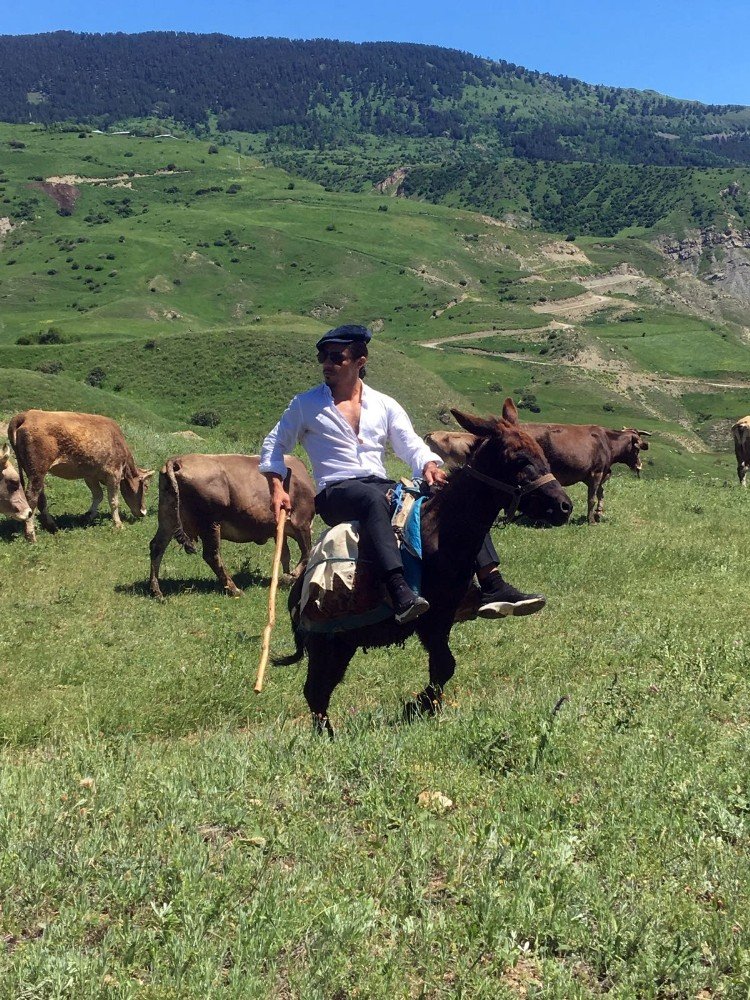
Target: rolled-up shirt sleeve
{"points": [[406, 443], [281, 439]]}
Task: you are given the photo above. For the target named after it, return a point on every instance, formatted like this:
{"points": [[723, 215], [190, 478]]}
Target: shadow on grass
{"points": [[10, 529], [245, 579], [65, 522]]}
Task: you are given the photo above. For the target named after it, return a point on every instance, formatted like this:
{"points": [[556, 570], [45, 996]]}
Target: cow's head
{"points": [[505, 452], [634, 442], [13, 501], [133, 486]]}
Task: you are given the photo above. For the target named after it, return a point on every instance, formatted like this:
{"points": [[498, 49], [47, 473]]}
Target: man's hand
{"points": [[433, 475], [280, 499]]}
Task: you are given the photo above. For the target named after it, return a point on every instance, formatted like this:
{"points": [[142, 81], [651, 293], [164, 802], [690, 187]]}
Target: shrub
{"points": [[150, 345], [570, 237], [382, 208], [213, 149], [50, 367], [608, 408], [95, 377], [23, 341], [205, 418], [51, 336]]}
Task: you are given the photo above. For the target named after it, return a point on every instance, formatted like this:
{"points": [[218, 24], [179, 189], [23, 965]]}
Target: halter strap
{"points": [[516, 492]]}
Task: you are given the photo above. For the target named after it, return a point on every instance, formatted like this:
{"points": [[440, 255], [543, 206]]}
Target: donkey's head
{"points": [[505, 456]]}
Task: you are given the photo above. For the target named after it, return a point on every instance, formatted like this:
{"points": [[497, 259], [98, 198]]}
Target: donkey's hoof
{"points": [[322, 726], [425, 705]]}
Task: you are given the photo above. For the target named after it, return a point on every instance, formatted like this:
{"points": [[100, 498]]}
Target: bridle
{"points": [[516, 492]]}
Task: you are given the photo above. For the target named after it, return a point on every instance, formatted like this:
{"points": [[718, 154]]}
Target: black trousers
{"points": [[366, 500]]}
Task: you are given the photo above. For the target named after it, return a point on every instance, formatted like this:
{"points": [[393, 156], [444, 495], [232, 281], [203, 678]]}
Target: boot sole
{"points": [[419, 607], [507, 609]]}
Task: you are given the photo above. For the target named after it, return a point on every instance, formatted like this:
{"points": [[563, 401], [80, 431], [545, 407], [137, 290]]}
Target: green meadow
{"points": [[167, 833]]}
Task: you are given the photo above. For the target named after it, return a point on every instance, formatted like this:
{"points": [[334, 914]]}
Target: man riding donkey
{"points": [[344, 425]]}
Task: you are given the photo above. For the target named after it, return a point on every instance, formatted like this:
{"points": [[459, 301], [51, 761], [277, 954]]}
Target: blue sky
{"points": [[692, 48]]}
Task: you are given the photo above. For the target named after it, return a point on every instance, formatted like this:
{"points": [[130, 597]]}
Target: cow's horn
{"points": [[645, 434], [4, 454]]}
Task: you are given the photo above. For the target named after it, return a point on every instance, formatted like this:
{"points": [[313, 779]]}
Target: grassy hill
{"points": [[168, 833], [176, 280]]}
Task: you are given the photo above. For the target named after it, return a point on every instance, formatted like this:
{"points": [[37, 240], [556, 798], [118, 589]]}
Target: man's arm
{"points": [[281, 439], [410, 448]]}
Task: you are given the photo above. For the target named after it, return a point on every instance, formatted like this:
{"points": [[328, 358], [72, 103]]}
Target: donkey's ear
{"points": [[510, 413], [476, 425]]}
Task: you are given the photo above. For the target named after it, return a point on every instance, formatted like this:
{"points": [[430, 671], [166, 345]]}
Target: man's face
{"points": [[337, 363]]}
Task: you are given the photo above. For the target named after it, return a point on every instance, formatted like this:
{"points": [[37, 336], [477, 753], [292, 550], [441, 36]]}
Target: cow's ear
{"points": [[475, 425], [4, 455], [510, 413]]}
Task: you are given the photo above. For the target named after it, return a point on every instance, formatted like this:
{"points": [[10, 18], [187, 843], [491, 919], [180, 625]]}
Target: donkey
{"points": [[506, 469]]}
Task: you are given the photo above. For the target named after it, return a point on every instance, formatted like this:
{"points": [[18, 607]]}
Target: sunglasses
{"points": [[336, 357]]}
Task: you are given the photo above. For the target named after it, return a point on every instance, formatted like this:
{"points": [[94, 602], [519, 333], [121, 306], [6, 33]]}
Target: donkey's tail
{"points": [[296, 656]]}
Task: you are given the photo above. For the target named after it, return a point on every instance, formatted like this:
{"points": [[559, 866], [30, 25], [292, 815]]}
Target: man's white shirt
{"points": [[335, 451]]}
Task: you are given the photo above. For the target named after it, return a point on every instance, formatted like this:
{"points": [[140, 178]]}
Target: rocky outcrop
{"points": [[393, 184], [720, 258]]}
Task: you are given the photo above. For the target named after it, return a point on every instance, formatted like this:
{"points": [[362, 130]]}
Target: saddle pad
{"points": [[339, 590]]}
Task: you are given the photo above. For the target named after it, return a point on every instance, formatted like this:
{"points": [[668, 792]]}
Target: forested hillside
{"points": [[313, 92]]}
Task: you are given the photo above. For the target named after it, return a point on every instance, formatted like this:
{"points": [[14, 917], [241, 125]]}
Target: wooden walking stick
{"points": [[271, 603]]}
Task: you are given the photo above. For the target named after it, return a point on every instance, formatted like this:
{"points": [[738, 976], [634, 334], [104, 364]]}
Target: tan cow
{"points": [[741, 435], [577, 453], [13, 502], [225, 496], [76, 446]]}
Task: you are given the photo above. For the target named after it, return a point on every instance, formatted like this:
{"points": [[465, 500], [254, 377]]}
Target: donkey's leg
{"points": [[327, 660], [442, 667]]}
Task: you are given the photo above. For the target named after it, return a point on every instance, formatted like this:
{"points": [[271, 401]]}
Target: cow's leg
{"points": [[593, 488], [442, 664], [37, 499], [97, 495], [742, 468], [303, 538], [285, 556], [211, 538], [157, 548], [327, 660], [113, 495]]}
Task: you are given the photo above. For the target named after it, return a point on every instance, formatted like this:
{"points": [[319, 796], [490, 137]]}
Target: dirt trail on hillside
{"points": [[581, 305], [483, 334], [118, 180]]}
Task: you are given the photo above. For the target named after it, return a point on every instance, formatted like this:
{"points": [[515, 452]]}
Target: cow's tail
{"points": [[13, 426], [179, 533]]}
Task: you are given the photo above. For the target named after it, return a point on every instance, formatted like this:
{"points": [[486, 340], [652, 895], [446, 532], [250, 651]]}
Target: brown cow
{"points": [[577, 453], [741, 435], [225, 496], [13, 500], [76, 446]]}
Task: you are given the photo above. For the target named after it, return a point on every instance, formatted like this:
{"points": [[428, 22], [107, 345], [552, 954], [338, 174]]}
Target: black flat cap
{"points": [[349, 334]]}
